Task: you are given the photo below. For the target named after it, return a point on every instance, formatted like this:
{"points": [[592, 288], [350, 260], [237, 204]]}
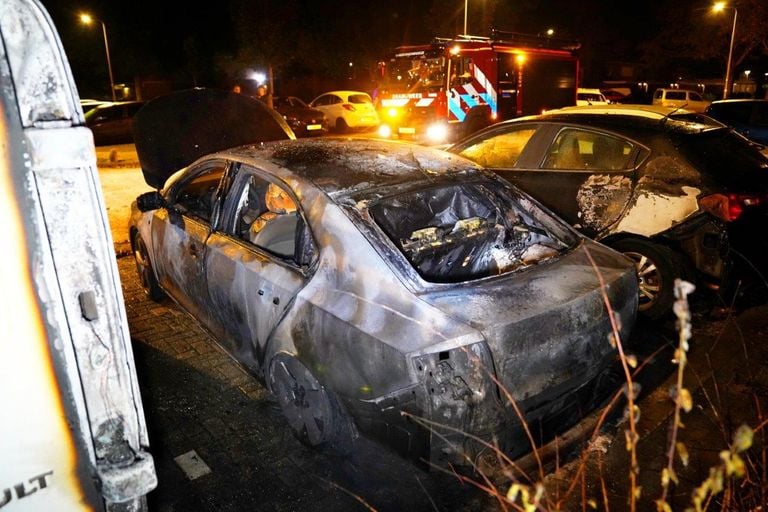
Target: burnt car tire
{"points": [[313, 411], [657, 268], [145, 271]]}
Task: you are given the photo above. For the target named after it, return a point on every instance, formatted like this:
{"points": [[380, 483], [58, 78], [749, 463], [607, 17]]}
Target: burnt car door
{"points": [[584, 176], [179, 234], [256, 264]]}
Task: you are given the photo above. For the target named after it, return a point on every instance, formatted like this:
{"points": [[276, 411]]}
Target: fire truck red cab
{"points": [[452, 87]]}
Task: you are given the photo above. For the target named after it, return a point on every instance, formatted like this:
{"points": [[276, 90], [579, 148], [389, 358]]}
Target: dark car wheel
{"points": [[341, 125], [144, 269], [314, 413], [657, 267]]}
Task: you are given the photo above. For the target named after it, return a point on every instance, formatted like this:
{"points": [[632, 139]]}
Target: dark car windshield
{"points": [[467, 231]]}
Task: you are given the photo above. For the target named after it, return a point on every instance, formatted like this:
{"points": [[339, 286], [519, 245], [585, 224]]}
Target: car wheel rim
{"points": [[649, 279], [303, 401]]}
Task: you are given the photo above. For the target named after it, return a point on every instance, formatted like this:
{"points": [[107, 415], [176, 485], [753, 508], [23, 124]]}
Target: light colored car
{"points": [[368, 282], [586, 96], [347, 110], [680, 98]]}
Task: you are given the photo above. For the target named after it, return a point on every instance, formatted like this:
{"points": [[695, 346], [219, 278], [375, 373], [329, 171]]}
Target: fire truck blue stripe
{"points": [[455, 107], [488, 98], [469, 100]]}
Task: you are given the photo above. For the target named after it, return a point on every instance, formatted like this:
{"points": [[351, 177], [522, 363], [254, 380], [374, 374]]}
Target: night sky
{"points": [[192, 43]]}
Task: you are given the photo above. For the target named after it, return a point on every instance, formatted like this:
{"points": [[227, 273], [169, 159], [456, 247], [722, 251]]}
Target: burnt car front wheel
{"points": [[657, 269], [314, 413], [144, 269]]}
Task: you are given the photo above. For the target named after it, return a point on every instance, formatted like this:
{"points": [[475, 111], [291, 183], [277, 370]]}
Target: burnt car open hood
{"points": [[173, 131]]}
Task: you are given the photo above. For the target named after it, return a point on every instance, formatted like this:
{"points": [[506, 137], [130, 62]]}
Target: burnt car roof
{"points": [[174, 130], [344, 166]]}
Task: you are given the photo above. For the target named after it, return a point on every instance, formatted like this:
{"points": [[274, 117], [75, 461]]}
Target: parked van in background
{"points": [[590, 97], [680, 98]]}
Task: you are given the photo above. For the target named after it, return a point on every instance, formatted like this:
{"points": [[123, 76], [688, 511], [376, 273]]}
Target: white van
{"points": [[680, 98], [586, 96], [73, 436]]}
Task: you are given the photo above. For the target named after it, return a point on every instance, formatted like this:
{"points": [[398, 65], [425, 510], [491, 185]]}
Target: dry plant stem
{"points": [[522, 422], [495, 493], [429, 424], [684, 319], [601, 420], [633, 469], [491, 490], [350, 493], [434, 507], [603, 488]]}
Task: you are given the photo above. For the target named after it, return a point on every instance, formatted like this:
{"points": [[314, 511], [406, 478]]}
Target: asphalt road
{"points": [[200, 405]]}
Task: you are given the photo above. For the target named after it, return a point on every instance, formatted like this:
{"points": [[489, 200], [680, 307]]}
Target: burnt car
{"points": [[380, 287], [303, 119], [674, 190]]}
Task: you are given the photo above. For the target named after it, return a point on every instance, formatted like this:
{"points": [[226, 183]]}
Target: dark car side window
{"points": [[197, 197], [580, 149], [500, 150]]}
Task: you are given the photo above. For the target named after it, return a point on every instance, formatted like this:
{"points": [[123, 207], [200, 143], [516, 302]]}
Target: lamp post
{"points": [[466, 2], [719, 6], [87, 19]]}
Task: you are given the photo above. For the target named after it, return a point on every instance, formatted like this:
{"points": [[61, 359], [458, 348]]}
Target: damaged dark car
{"points": [[676, 191], [381, 287]]}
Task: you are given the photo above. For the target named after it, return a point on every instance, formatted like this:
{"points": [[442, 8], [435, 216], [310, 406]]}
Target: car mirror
{"points": [[149, 201]]}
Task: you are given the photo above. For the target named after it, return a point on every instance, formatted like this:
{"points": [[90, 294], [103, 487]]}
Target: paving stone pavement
{"points": [[196, 398]]}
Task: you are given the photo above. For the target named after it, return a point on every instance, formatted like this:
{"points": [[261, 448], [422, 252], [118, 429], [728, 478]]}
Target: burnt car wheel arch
{"points": [[144, 269], [657, 268], [314, 412]]}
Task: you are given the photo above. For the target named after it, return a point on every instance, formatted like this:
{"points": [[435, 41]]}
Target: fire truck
{"points": [[452, 87]]}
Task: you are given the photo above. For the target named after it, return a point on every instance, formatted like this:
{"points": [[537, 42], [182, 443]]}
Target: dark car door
{"points": [[256, 264], [582, 175], [179, 234]]}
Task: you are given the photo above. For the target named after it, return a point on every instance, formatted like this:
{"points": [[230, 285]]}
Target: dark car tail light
{"points": [[729, 207], [349, 107]]}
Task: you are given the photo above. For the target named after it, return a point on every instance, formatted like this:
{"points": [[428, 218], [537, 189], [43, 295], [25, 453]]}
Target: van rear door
{"points": [[72, 428]]}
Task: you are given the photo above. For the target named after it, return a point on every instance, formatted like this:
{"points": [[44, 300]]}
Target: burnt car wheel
{"points": [[657, 269], [144, 269], [314, 412]]}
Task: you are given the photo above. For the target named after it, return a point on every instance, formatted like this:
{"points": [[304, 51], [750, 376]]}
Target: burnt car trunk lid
{"points": [[174, 130], [549, 331]]}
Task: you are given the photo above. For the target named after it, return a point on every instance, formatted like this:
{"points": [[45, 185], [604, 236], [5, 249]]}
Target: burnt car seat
{"points": [[275, 229]]}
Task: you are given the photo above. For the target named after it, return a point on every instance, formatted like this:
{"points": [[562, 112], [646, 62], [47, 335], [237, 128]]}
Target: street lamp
{"points": [[720, 6], [87, 19], [466, 2]]}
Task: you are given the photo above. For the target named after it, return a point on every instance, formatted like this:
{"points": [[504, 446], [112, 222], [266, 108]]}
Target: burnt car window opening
{"points": [[196, 198], [268, 218], [580, 149], [722, 155], [500, 150], [463, 232]]}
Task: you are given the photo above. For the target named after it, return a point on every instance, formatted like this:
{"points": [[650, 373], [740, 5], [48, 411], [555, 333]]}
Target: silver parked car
{"points": [[372, 284]]}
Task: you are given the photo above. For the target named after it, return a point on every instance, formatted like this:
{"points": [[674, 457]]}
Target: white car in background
{"points": [[347, 110], [590, 97]]}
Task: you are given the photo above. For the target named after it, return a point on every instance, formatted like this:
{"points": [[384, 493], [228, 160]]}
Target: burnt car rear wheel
{"points": [[657, 269], [313, 411], [144, 269]]}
